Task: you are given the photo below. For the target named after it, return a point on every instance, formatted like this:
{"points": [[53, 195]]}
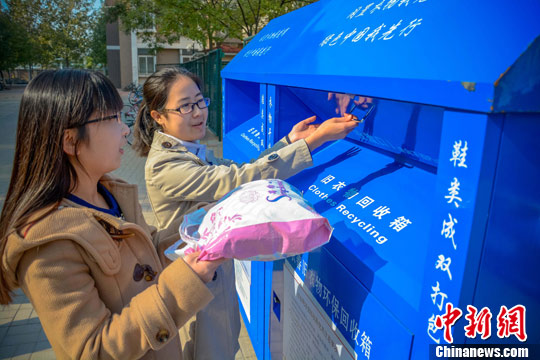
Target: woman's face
{"points": [[103, 151], [187, 127]]}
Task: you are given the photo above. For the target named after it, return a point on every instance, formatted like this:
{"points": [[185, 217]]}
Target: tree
{"points": [[98, 41], [8, 32], [22, 39], [68, 29], [208, 22], [58, 30], [250, 16]]}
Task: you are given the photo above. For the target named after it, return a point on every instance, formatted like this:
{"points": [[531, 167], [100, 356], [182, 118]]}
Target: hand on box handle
{"points": [[344, 100]]}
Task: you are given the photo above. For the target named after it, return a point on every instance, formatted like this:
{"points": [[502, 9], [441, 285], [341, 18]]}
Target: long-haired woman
{"points": [[74, 239]]}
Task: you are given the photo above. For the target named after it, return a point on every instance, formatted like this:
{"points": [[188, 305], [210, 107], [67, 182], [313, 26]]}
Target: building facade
{"points": [[130, 60]]}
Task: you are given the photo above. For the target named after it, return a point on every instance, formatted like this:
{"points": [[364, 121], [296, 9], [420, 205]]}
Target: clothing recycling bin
{"points": [[434, 197]]}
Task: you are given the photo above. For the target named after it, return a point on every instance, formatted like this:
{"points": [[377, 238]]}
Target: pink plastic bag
{"points": [[261, 220]]}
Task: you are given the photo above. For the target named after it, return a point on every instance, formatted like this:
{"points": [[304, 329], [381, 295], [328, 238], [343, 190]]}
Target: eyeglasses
{"points": [[116, 116], [187, 108]]}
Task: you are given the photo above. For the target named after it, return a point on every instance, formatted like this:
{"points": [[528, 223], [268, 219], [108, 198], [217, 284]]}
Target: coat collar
{"points": [[165, 143], [193, 147], [87, 227], [162, 142], [127, 196]]}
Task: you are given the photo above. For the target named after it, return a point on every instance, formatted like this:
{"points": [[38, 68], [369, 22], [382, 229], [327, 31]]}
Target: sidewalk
{"points": [[21, 335]]}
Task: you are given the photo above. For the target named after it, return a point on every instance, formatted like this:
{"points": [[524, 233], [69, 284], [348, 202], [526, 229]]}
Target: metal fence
{"points": [[208, 69]]}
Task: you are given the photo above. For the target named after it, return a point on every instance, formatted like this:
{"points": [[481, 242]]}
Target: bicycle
{"points": [[135, 95], [5, 85], [130, 110], [129, 116], [130, 86]]}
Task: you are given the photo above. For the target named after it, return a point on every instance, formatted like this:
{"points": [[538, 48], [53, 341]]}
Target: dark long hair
{"points": [[42, 174], [155, 92]]}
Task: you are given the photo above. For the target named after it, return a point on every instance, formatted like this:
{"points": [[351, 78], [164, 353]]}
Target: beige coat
{"points": [[81, 281], [176, 181]]}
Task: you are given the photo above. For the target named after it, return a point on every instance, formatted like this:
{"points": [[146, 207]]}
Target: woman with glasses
{"points": [[75, 240], [180, 174]]}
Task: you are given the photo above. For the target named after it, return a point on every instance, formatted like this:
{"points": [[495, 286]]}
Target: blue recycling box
{"points": [[434, 198]]}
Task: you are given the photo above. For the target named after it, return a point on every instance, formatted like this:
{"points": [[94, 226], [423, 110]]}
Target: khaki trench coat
{"points": [[176, 181], [77, 267]]}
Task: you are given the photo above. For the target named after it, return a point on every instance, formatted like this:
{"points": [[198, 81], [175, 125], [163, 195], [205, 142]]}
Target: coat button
{"points": [[273, 157], [166, 144], [138, 272], [162, 336], [145, 271]]}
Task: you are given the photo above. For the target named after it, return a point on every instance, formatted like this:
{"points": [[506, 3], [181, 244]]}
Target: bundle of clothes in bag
{"points": [[262, 220]]}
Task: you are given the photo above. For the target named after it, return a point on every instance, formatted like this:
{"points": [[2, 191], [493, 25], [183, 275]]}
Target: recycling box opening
{"points": [[434, 196]]}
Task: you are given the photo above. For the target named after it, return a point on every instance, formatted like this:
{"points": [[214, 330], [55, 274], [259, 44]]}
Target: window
{"points": [[146, 64]]}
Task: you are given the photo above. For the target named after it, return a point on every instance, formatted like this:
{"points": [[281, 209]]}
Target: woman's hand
{"points": [[332, 129], [303, 129], [205, 269]]}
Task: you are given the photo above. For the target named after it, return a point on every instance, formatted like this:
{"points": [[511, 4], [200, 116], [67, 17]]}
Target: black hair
{"points": [[155, 92], [42, 174]]}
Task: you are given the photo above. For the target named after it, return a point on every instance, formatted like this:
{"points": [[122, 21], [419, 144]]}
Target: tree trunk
{"points": [[210, 40]]}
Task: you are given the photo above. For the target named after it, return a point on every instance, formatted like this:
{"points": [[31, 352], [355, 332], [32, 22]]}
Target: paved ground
{"points": [[21, 335]]}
